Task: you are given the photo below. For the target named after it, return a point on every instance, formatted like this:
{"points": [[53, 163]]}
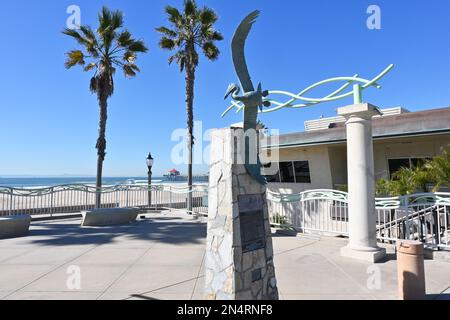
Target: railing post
{"points": [[87, 198], [11, 202], [170, 198], [127, 196], [51, 201]]}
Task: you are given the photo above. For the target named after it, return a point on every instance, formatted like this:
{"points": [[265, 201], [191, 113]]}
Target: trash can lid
{"points": [[410, 247]]}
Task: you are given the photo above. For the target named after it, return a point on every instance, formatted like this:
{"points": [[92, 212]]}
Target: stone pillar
{"points": [[239, 256], [361, 184]]}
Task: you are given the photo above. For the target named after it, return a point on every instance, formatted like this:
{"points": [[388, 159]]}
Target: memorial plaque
{"points": [[251, 214]]}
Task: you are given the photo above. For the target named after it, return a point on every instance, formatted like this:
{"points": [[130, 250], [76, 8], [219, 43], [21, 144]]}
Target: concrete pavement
{"points": [[163, 258]]}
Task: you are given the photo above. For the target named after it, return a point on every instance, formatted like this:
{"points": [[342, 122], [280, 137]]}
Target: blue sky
{"points": [[49, 118]]}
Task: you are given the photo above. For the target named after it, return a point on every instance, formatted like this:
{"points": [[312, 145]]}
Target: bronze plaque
{"points": [[251, 214]]}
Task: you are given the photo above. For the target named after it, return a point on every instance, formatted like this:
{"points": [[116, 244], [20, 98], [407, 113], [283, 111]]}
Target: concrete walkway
{"points": [[163, 258]]}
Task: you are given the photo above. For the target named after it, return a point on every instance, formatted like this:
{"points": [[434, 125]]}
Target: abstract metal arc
{"points": [[359, 85], [254, 101]]}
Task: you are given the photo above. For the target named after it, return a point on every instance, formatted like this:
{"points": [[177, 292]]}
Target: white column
{"points": [[361, 184]]}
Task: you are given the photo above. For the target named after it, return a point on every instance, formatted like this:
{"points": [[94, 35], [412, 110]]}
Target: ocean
{"points": [[28, 182]]}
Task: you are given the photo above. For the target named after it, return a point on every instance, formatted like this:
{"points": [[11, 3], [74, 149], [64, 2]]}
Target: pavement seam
{"points": [[125, 271], [198, 275], [50, 271], [168, 286], [296, 248], [348, 276]]}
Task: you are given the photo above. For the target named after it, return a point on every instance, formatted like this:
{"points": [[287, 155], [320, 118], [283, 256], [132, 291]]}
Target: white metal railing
{"points": [[424, 217], [323, 211], [75, 198]]}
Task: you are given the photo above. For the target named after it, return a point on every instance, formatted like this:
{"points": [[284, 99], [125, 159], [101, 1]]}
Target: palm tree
{"points": [[107, 48], [406, 181], [191, 29], [440, 168]]}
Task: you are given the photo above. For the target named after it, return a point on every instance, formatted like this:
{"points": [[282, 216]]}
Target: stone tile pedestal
{"points": [[239, 256]]}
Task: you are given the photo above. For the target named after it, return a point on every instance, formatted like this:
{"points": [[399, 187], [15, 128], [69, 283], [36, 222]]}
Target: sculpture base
{"points": [[239, 256], [370, 255]]}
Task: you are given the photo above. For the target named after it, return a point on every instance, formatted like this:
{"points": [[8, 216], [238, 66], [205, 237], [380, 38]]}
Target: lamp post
{"points": [[150, 162]]}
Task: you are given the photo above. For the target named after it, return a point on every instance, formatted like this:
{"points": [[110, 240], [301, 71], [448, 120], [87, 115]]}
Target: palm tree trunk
{"points": [[101, 146], [190, 80]]}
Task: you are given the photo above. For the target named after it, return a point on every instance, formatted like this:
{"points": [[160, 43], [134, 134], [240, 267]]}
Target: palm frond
{"points": [[166, 43], [93, 85], [193, 28], [216, 36], [104, 19], [90, 66], [130, 70], [167, 32], [74, 57], [116, 20], [124, 39], [76, 35], [190, 8], [129, 56], [174, 15], [137, 46], [210, 50], [207, 16]]}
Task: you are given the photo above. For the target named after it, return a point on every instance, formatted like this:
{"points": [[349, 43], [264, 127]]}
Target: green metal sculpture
{"points": [[251, 99], [252, 102]]}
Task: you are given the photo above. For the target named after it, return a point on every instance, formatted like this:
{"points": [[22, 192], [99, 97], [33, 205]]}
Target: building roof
{"points": [[326, 123], [421, 123]]}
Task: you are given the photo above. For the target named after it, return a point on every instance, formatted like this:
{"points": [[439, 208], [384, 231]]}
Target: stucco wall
{"points": [[328, 164], [319, 166], [414, 147]]}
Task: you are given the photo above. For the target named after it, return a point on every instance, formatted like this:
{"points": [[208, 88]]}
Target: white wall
{"points": [[319, 165], [328, 164]]}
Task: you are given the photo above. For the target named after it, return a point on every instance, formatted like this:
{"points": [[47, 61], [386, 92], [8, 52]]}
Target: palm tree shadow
{"points": [[164, 231]]}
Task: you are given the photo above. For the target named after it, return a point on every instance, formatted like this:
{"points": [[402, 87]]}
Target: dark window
{"points": [[287, 172], [302, 172], [396, 164], [274, 175], [419, 162]]}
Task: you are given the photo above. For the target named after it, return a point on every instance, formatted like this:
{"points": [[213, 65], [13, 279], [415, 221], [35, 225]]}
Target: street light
{"points": [[150, 162]]}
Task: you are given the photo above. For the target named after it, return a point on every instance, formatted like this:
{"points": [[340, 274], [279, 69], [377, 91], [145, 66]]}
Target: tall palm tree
{"points": [[107, 48], [190, 29]]}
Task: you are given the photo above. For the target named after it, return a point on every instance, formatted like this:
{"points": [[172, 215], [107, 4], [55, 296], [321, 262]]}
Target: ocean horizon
{"points": [[28, 182]]}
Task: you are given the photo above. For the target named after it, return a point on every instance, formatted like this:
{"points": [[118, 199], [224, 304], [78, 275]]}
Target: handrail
{"points": [[88, 188], [381, 202]]}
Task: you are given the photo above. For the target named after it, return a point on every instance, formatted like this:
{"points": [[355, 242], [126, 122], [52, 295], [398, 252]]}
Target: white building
{"points": [[317, 157]]}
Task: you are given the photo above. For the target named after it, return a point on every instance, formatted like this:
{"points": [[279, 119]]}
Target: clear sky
{"points": [[49, 118]]}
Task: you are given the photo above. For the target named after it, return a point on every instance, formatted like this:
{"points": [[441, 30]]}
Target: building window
{"points": [[302, 172], [396, 164], [287, 173], [274, 178], [291, 172]]}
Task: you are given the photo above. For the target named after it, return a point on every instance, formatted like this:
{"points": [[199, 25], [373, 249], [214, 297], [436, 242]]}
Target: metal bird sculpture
{"points": [[251, 99]]}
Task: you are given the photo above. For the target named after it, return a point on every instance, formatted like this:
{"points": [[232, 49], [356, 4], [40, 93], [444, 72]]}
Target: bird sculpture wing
{"points": [[238, 49]]}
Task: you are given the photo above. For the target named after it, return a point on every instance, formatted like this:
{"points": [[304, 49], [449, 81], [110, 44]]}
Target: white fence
{"points": [[424, 217], [75, 198]]}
